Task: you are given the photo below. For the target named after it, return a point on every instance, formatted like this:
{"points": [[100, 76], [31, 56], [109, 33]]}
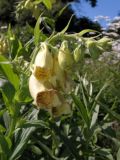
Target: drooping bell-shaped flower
{"points": [[43, 94], [79, 53], [43, 65], [58, 75], [60, 79]]}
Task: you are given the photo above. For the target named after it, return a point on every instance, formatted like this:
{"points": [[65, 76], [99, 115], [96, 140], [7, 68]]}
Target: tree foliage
{"points": [[9, 14]]}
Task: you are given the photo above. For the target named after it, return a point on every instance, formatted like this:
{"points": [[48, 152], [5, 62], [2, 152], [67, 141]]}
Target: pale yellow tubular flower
{"points": [[65, 109], [43, 94], [58, 75], [79, 53], [35, 86], [65, 58], [60, 78], [43, 64]]}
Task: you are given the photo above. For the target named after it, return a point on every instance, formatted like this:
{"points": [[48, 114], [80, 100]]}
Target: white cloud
{"points": [[116, 18]]}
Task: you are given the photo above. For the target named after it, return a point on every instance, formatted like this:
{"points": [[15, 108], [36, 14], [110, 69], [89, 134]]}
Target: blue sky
{"points": [[107, 8]]}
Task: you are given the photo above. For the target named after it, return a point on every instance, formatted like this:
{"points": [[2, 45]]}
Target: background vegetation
{"points": [[92, 132]]}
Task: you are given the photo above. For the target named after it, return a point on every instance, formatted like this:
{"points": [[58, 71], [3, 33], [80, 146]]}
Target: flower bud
{"points": [[94, 49], [65, 58], [43, 64], [105, 43], [79, 53], [43, 94]]}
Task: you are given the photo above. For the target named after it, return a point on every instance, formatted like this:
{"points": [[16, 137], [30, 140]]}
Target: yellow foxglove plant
{"points": [[51, 72], [47, 81]]}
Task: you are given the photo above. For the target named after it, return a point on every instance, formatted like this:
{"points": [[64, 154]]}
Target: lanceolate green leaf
{"points": [[112, 113], [94, 116], [23, 137], [37, 30], [81, 108], [98, 95], [86, 31], [9, 92], [35, 123], [103, 152], [66, 28], [23, 95], [7, 70], [61, 11], [2, 129], [53, 37], [48, 4], [4, 145], [2, 111], [47, 150]]}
